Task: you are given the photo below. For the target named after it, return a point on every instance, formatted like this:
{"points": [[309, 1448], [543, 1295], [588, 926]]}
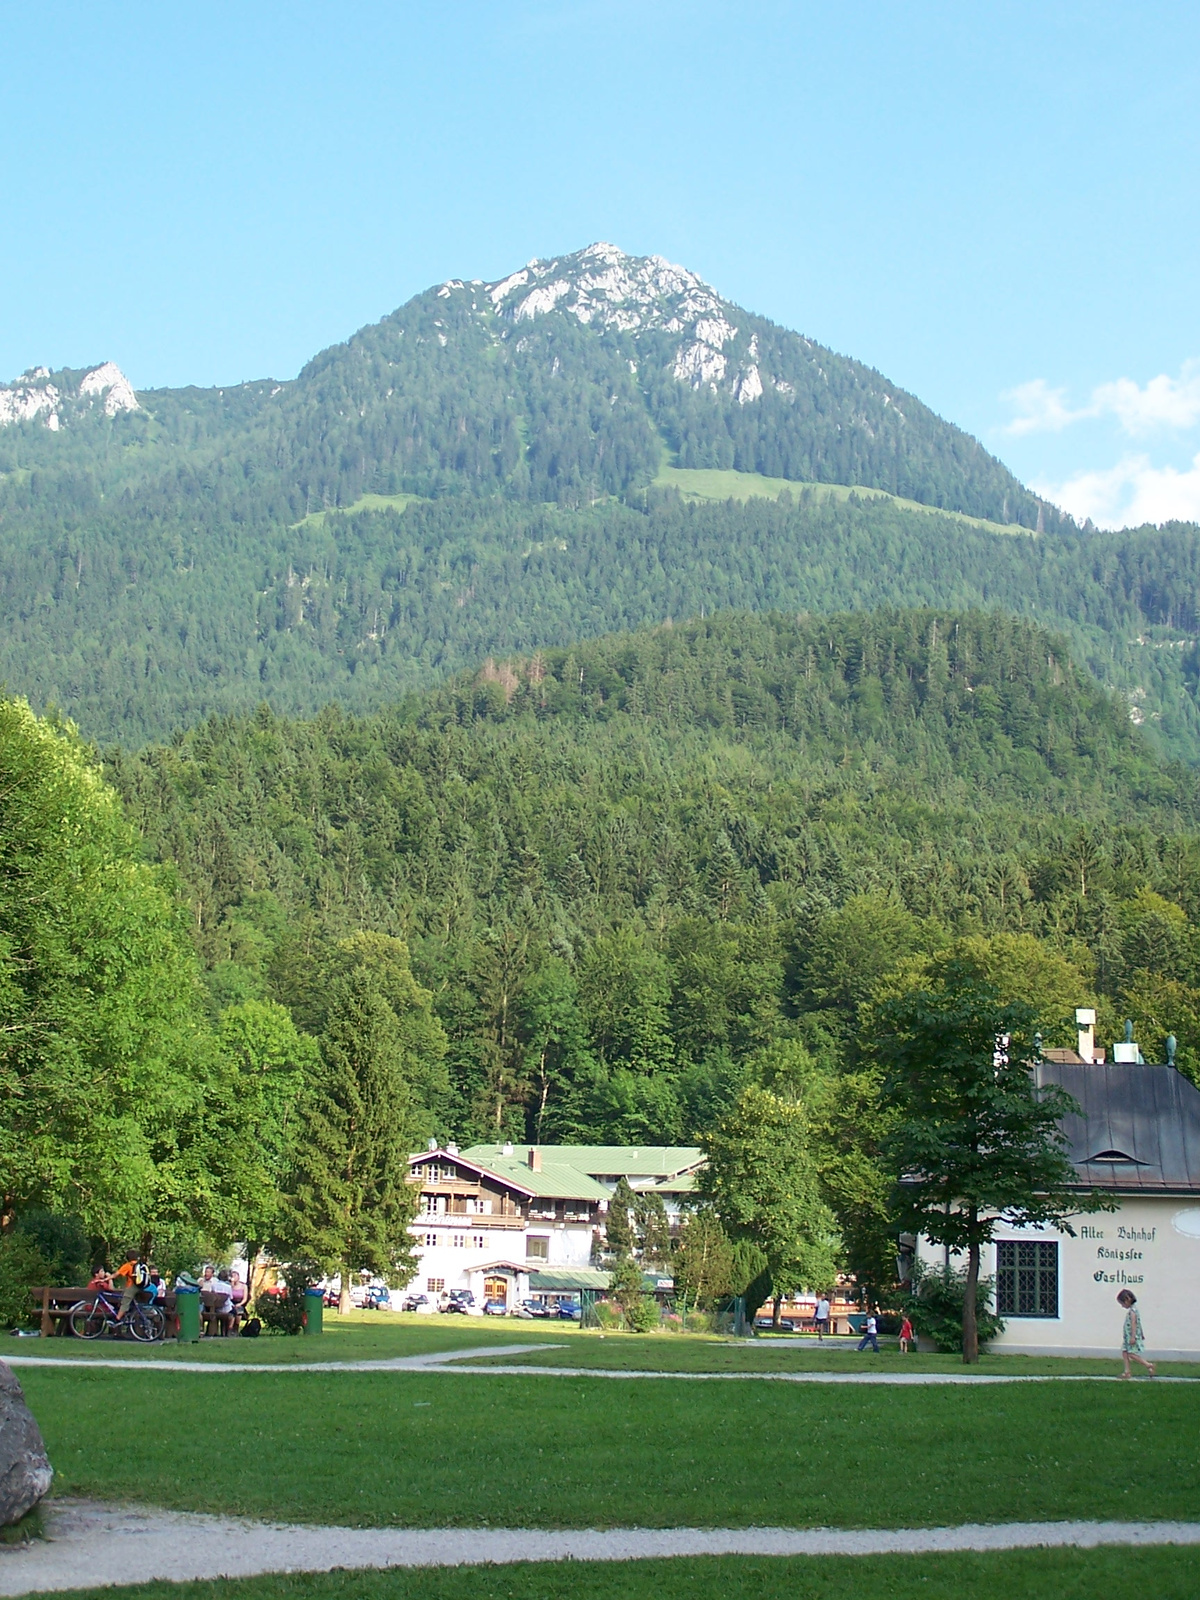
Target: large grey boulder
{"points": [[25, 1473]]}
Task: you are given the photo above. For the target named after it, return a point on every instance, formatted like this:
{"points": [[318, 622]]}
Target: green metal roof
{"points": [[669, 1164], [557, 1180]]}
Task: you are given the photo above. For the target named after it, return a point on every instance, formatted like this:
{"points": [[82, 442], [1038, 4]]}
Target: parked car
{"points": [[570, 1311], [377, 1298], [534, 1308], [765, 1325], [495, 1308], [460, 1300], [417, 1302]]}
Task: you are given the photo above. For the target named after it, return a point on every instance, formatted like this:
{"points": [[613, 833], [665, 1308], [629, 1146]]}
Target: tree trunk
{"points": [[776, 1306], [344, 1301], [970, 1322]]}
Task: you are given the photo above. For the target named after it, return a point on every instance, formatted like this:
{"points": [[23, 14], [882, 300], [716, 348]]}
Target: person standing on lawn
{"points": [[870, 1333], [907, 1336], [822, 1318], [1133, 1339]]}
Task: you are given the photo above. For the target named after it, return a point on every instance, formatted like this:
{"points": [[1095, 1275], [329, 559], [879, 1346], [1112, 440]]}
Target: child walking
{"points": [[1133, 1340]]}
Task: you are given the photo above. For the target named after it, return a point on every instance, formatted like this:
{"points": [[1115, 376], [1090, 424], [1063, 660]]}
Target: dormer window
{"points": [[1116, 1158]]}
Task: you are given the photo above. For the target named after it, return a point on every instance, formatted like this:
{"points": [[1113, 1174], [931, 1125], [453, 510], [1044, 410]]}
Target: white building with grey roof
{"points": [[1136, 1137]]}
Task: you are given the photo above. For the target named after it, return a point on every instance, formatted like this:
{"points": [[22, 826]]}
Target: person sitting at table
{"points": [[218, 1290], [239, 1294]]}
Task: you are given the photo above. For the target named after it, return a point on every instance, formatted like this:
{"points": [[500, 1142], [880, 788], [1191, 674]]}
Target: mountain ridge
{"points": [[663, 359], [511, 465]]}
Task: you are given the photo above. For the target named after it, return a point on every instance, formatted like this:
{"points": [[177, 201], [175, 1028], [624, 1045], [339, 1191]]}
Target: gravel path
{"points": [[462, 1361], [91, 1545], [154, 1363]]}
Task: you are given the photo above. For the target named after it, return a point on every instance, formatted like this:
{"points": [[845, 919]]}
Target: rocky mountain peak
{"points": [[603, 287], [39, 393]]}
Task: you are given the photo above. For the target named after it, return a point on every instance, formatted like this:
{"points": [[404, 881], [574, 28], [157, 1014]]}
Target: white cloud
{"points": [[1164, 402], [1130, 493], [1040, 408]]}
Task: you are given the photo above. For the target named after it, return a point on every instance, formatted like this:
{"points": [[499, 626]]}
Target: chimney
{"points": [[1085, 1019], [452, 1149], [535, 1159], [1128, 1051], [507, 1151]]}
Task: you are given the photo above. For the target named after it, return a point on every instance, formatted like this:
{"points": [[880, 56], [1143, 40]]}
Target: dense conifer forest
{"points": [[625, 869]]}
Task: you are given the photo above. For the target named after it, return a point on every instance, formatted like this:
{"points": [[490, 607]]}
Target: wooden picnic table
{"points": [[57, 1304]]}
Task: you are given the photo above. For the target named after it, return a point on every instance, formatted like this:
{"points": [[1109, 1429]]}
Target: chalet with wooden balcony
{"points": [[501, 1220]]}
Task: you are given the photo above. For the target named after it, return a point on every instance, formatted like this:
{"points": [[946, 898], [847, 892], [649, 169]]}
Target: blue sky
{"points": [[995, 205]]}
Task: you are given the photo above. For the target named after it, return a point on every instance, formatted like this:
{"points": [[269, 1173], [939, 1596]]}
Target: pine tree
{"points": [[618, 1232], [348, 1204], [654, 1230]]}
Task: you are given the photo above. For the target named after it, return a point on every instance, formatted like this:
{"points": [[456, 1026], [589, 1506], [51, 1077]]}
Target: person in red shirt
{"points": [[907, 1336]]}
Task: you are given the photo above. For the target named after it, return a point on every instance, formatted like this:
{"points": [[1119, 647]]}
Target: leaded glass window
{"points": [[1027, 1278]]}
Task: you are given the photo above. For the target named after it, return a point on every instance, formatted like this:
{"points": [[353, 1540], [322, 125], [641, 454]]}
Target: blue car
{"points": [[569, 1311]]}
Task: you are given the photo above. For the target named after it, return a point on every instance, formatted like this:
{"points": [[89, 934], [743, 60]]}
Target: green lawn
{"points": [[439, 1449], [375, 1336], [673, 1353], [1166, 1574], [360, 1336]]}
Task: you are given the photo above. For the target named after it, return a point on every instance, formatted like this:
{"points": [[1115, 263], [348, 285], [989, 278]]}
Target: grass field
{"points": [[374, 1336], [439, 1449], [1165, 1574], [713, 484]]}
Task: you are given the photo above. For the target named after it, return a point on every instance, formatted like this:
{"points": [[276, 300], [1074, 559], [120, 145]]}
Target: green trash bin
{"points": [[187, 1309], [314, 1310]]}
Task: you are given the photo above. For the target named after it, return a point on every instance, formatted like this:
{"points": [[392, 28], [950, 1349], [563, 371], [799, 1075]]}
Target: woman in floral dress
{"points": [[1133, 1340]]}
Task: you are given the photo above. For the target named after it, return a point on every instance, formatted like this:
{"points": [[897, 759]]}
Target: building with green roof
{"points": [[502, 1221]]}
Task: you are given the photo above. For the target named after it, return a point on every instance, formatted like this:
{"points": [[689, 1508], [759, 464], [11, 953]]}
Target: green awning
{"points": [[569, 1278]]}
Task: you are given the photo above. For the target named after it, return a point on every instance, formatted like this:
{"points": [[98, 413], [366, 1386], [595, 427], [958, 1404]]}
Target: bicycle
{"points": [[89, 1319]]}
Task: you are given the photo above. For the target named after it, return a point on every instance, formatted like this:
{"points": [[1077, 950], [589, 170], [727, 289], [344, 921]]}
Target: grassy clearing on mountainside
{"points": [[436, 1449], [1168, 1574], [365, 502], [714, 484]]}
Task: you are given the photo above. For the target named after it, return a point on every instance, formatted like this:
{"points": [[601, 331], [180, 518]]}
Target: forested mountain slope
{"points": [[625, 867], [558, 383], [477, 473], [137, 634]]}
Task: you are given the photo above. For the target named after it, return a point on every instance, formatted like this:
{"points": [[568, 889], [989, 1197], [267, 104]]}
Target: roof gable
{"points": [[553, 1181]]}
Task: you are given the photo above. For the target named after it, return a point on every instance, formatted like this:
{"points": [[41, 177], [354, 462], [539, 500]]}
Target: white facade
{"points": [[456, 1253], [493, 1215], [1150, 1245]]}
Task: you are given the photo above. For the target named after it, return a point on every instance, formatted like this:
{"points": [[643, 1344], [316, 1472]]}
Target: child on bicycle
{"points": [[134, 1276]]}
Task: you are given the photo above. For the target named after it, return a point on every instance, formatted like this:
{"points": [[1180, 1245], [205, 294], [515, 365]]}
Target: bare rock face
{"points": [[25, 1473]]}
